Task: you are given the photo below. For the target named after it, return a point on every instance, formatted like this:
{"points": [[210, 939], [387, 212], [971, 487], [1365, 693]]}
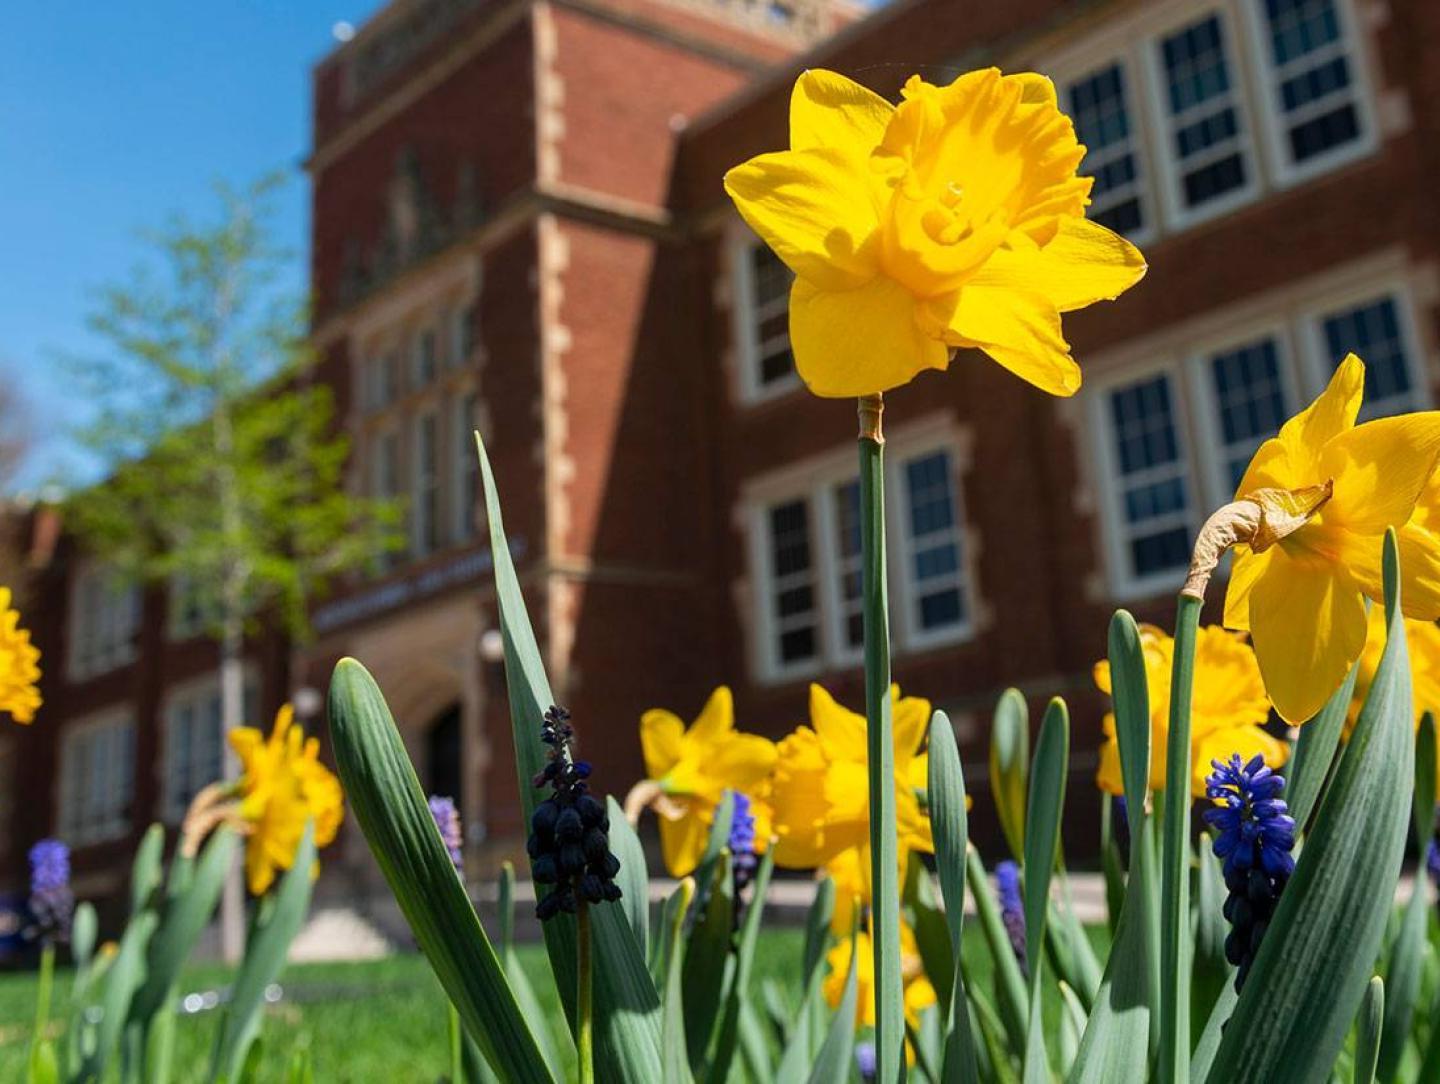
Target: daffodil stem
{"points": [[584, 1007], [1175, 865], [884, 870]]}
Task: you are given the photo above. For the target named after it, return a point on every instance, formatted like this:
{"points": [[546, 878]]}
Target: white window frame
{"points": [[1319, 366], [904, 619], [746, 319], [1137, 110], [1293, 314], [1125, 583], [1179, 217], [104, 641], [87, 814], [195, 696], [1216, 487], [814, 482], [1274, 126]]}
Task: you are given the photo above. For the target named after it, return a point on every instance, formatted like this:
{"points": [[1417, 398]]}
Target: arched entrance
{"points": [[443, 769]]}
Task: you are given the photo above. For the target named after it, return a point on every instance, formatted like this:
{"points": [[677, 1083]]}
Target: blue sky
{"points": [[113, 116]]}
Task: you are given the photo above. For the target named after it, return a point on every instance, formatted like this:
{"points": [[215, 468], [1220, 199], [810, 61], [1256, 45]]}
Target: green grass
{"points": [[377, 1020], [382, 1019]]}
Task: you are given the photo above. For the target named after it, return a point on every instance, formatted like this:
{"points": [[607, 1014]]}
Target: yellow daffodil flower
{"points": [[919, 993], [283, 785], [690, 770], [1422, 638], [1303, 597], [953, 220], [1227, 712], [19, 665], [820, 790]]}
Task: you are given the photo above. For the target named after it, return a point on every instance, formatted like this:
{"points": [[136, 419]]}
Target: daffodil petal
{"points": [[816, 209], [1019, 330], [1083, 263], [1245, 569], [1307, 622], [1380, 469], [857, 342], [682, 841], [909, 719], [829, 110], [742, 761], [661, 733], [1419, 569], [716, 721], [1222, 744], [1292, 458]]}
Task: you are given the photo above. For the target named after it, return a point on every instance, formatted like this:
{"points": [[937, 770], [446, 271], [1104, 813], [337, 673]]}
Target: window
{"points": [[850, 602], [794, 613], [385, 481], [427, 356], [762, 310], [195, 742], [425, 498], [1154, 490], [467, 467], [1312, 80], [807, 550], [97, 780], [1374, 331], [1208, 144], [462, 333], [104, 615], [1250, 402], [1157, 485], [933, 575], [1100, 107]]}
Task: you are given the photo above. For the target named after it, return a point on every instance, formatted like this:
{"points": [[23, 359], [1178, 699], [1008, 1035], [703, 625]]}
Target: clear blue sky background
{"points": [[113, 116]]}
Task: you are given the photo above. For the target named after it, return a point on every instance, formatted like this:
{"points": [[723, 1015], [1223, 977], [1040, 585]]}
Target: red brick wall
{"points": [[482, 113]]}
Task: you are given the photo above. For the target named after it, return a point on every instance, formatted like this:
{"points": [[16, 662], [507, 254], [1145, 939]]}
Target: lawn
{"points": [[377, 1020], [364, 1022]]}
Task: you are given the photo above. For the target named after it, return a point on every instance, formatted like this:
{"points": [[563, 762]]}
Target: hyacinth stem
{"points": [[584, 1006], [1175, 867], [885, 894]]}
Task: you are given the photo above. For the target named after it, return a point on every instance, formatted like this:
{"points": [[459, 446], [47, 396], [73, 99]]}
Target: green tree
{"points": [[223, 469]]}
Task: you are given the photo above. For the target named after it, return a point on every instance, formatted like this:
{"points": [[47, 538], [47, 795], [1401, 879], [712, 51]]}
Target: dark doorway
{"points": [[442, 756]]}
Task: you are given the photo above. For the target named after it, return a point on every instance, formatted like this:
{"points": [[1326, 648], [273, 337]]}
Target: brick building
{"points": [[518, 225]]}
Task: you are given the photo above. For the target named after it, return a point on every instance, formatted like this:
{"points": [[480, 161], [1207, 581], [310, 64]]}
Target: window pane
{"points": [[933, 543], [848, 558], [770, 283], [1153, 482], [1373, 332], [1099, 106], [793, 589], [1314, 82], [1250, 401], [1207, 140]]}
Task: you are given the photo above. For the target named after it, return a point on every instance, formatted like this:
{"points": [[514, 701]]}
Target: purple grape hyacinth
{"points": [[569, 845], [1012, 908], [52, 904], [447, 820], [1254, 835], [743, 859]]}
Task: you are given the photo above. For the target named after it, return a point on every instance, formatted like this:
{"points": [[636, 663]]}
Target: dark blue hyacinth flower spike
{"points": [[1254, 835]]}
